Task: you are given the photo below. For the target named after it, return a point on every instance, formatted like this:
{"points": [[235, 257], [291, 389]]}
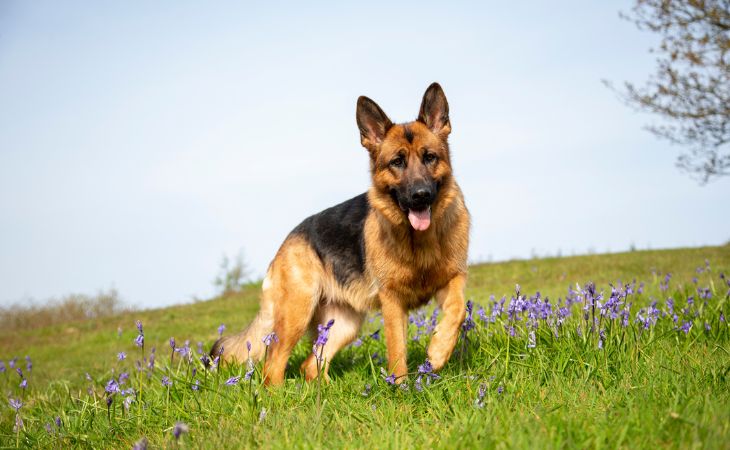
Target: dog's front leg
{"points": [[451, 300], [394, 319]]}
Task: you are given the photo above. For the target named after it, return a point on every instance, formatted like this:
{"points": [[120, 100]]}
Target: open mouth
{"points": [[420, 220]]}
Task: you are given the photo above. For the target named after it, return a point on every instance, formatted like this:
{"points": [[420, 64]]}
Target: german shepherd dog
{"points": [[394, 248]]}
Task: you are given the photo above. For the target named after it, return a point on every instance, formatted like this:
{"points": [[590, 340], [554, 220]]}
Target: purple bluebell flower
{"points": [[625, 314], [11, 362], [629, 288], [24, 383], [205, 359], [425, 370], [179, 429], [123, 377], [49, 430], [500, 389], [151, 362], [184, 351], [722, 317], [166, 381], [433, 321], [482, 314], [419, 320], [172, 343], [468, 324], [29, 363], [139, 340], [15, 404], [109, 400], [375, 335], [366, 392], [141, 444], [200, 348], [686, 327], [250, 370], [121, 356], [418, 384], [497, 309], [601, 338], [707, 327], [139, 326], [357, 342], [195, 386], [562, 313], [322, 337], [262, 415], [269, 338], [2, 367], [248, 346], [390, 379], [664, 285], [111, 387], [233, 380], [221, 329], [58, 422]]}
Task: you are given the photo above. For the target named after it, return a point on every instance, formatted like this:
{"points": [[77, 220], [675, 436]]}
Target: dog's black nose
{"points": [[421, 196]]}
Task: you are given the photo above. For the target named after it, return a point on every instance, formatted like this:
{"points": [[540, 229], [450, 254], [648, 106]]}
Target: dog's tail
{"points": [[235, 348]]}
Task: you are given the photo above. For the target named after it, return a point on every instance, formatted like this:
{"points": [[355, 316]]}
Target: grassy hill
{"points": [[643, 387]]}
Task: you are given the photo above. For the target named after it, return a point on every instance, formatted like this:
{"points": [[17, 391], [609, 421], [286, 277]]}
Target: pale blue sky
{"points": [[139, 141]]}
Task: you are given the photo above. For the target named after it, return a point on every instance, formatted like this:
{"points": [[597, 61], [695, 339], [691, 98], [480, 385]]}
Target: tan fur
{"points": [[403, 268]]}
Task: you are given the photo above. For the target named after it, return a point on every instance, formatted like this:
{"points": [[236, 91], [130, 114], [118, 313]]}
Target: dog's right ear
{"points": [[372, 122]]}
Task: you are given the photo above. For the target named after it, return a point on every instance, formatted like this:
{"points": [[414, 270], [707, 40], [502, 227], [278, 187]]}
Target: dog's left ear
{"points": [[435, 111]]}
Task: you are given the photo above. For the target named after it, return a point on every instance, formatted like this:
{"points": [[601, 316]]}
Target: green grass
{"points": [[645, 388]]}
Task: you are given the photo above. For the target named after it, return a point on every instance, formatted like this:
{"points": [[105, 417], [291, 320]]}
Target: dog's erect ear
{"points": [[435, 111], [373, 123]]}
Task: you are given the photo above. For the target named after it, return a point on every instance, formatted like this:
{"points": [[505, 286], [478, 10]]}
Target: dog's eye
{"points": [[398, 161], [429, 158]]}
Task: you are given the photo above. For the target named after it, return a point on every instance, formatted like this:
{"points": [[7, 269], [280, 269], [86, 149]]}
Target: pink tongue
{"points": [[420, 220]]}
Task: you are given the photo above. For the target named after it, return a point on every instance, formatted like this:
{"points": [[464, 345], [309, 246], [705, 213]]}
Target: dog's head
{"points": [[409, 162]]}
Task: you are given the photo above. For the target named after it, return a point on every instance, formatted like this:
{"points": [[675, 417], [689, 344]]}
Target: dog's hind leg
{"points": [[347, 323], [294, 293]]}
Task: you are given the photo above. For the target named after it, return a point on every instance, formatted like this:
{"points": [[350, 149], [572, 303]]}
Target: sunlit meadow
{"points": [[622, 351]]}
